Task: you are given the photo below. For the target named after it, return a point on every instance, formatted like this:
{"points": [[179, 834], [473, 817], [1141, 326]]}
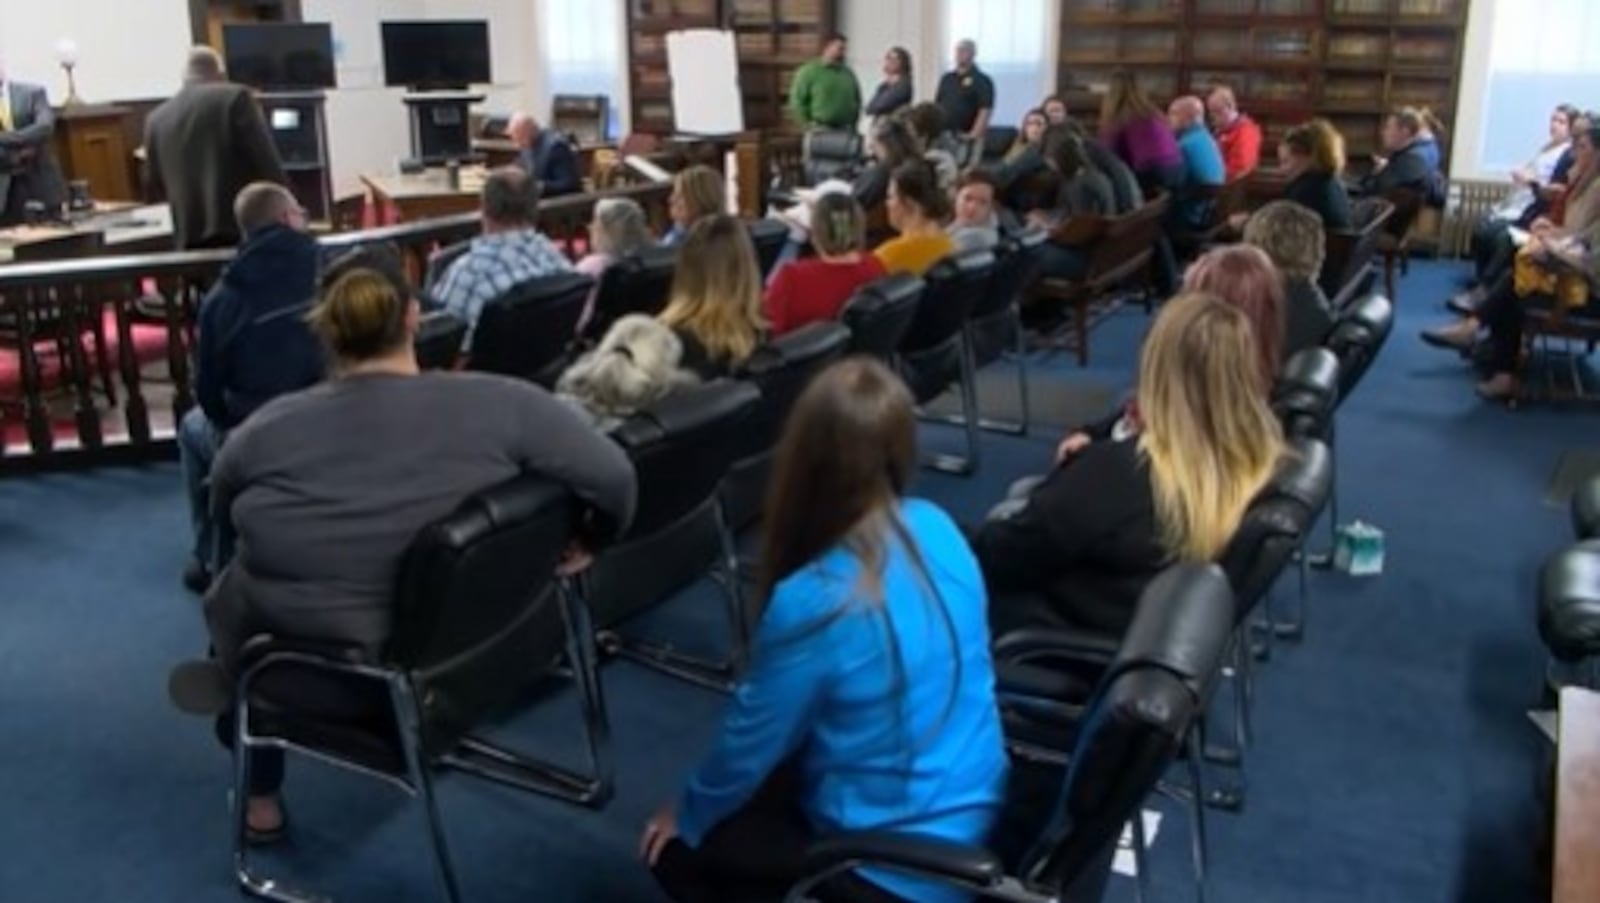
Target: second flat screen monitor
{"points": [[436, 55]]}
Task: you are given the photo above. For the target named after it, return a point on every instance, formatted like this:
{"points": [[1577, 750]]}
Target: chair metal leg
{"points": [[1199, 845], [1141, 858], [1293, 628], [1324, 560], [410, 721], [1238, 672], [1227, 798], [1023, 424], [969, 418]]}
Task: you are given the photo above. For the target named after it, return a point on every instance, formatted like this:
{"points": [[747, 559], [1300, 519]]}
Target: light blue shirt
{"points": [[889, 705], [1202, 165], [493, 266]]}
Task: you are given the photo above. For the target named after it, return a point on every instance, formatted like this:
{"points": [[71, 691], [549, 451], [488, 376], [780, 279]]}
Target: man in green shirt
{"points": [[825, 93]]}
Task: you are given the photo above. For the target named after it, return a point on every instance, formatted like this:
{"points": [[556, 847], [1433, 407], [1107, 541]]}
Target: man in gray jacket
{"points": [[28, 170]]}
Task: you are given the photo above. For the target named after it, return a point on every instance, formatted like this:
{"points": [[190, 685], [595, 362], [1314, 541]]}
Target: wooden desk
{"points": [[91, 144], [503, 152], [119, 228], [425, 195], [1577, 859]]}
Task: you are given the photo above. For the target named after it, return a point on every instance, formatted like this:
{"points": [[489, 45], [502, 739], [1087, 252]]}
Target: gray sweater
{"points": [[327, 487]]}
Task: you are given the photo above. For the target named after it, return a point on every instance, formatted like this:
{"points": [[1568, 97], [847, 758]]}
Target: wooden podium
{"points": [[91, 144]]}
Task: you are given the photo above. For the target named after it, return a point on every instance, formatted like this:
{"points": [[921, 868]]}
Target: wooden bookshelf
{"points": [[775, 38], [1287, 60]]}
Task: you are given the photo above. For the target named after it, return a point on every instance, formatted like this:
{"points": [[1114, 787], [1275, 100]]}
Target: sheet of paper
{"points": [[704, 67]]}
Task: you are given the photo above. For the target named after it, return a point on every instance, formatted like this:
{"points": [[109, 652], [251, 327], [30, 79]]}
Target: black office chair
{"points": [[935, 353], [769, 236], [1128, 734], [1585, 510], [681, 448], [828, 154], [994, 329], [530, 331], [997, 142], [439, 337], [478, 618], [781, 369], [637, 284], [880, 313]]}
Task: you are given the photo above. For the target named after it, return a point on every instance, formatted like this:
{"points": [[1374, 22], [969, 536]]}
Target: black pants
{"points": [[1493, 251], [1170, 180], [1501, 311], [756, 854]]}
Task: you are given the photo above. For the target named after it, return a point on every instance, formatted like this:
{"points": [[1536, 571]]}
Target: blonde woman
{"points": [[1078, 548], [1293, 238], [635, 365], [697, 192], [715, 305]]}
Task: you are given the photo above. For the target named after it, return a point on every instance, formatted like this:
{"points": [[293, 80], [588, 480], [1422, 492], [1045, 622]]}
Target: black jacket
{"points": [[1324, 194], [552, 161], [254, 343], [202, 146], [1085, 541], [1307, 316]]}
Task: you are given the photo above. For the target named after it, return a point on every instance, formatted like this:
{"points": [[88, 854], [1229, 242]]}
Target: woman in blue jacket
{"points": [[869, 704]]}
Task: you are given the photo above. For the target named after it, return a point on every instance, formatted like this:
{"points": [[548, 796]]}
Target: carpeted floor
{"points": [[1393, 761]]}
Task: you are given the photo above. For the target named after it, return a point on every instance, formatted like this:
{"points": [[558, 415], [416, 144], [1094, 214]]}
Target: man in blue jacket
{"points": [[546, 156], [253, 346]]}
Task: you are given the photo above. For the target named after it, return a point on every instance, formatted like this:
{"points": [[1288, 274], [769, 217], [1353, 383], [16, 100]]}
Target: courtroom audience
{"points": [[1238, 136], [546, 155], [1312, 157], [976, 226], [253, 345], [637, 363], [618, 231], [697, 192], [1244, 277], [893, 94], [1055, 110], [1029, 135], [917, 209], [1082, 189], [1202, 161], [715, 303], [328, 487], [202, 147], [890, 145], [1409, 161], [1134, 129], [1293, 237], [816, 288], [938, 148], [869, 703], [1077, 548], [510, 252]]}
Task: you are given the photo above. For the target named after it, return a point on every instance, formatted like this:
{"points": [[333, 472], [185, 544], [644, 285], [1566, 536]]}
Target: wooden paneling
{"points": [[91, 144]]}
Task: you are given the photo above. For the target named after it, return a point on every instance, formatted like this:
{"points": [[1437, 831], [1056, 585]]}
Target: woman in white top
{"points": [[1538, 171]]}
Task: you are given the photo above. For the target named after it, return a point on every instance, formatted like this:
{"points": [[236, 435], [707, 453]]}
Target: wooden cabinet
{"points": [[91, 143]]}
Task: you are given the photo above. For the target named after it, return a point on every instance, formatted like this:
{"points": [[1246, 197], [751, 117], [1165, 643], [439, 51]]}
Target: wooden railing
{"points": [[80, 401]]}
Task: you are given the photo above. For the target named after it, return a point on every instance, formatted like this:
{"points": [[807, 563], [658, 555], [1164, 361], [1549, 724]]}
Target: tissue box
{"points": [[1359, 550]]}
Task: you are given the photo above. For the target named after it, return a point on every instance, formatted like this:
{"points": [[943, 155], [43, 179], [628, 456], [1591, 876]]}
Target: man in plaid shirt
{"points": [[509, 252]]}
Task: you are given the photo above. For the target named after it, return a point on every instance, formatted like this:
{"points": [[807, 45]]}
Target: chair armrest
{"points": [[1071, 646], [264, 646], [905, 852], [1078, 230]]}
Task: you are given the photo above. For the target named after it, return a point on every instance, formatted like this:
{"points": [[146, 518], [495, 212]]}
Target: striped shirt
{"points": [[493, 266]]}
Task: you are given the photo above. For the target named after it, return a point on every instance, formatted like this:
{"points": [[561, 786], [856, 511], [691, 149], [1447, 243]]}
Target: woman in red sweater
{"points": [[816, 288]]}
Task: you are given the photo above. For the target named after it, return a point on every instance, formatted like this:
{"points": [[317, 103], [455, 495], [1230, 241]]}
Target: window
{"points": [[1013, 38], [1542, 53], [581, 51]]}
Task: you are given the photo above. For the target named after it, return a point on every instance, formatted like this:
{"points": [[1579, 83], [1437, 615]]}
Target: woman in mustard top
{"points": [[917, 210]]}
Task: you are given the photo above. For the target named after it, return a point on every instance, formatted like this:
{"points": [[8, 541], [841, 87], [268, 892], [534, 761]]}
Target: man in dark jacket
{"points": [[254, 345], [202, 147], [546, 156]]}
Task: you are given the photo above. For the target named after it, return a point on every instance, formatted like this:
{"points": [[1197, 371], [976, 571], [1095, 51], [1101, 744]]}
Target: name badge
{"points": [[966, 82]]}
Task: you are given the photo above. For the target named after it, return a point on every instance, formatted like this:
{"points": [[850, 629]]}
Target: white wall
{"points": [[127, 49], [1472, 88]]}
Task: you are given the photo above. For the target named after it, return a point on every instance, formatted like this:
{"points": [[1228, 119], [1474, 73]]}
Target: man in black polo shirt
{"points": [[966, 95]]}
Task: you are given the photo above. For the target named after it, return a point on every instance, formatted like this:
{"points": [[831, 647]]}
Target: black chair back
{"points": [[830, 154], [1135, 725], [1306, 393], [637, 284], [997, 142], [880, 313], [768, 236], [781, 369], [528, 331], [681, 448], [477, 615], [1019, 261], [931, 351], [439, 261], [1357, 337], [1277, 522], [439, 337], [1350, 252]]}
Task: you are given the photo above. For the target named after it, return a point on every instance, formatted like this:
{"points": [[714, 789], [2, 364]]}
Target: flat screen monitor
{"points": [[279, 56], [436, 54]]}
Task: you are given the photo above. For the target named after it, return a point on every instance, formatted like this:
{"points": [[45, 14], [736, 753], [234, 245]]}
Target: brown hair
{"points": [[1292, 235], [900, 144], [702, 191], [915, 182], [361, 316], [1244, 277], [1319, 141], [716, 289], [1124, 100], [926, 120], [838, 225]]}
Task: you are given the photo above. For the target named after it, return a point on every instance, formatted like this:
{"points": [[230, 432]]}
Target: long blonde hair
{"points": [[1207, 433], [716, 290]]}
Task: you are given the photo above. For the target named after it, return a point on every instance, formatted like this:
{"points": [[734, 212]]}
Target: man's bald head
{"points": [[1185, 111], [522, 129], [204, 65]]}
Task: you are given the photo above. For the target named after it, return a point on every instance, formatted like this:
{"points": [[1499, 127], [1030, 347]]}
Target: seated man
{"points": [[254, 345], [510, 250], [28, 170], [1202, 160], [545, 155], [327, 487]]}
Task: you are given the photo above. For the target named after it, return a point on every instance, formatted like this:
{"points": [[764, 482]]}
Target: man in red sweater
{"points": [[1238, 136]]}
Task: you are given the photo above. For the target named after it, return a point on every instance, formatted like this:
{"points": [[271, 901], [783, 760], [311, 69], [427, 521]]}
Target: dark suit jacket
{"points": [[202, 147], [552, 161], [1323, 194], [26, 163]]}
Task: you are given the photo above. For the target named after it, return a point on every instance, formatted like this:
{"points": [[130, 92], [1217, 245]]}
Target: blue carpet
{"points": [[1393, 761]]}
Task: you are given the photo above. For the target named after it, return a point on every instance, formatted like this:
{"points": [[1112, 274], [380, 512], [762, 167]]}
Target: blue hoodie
{"points": [[254, 343]]}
